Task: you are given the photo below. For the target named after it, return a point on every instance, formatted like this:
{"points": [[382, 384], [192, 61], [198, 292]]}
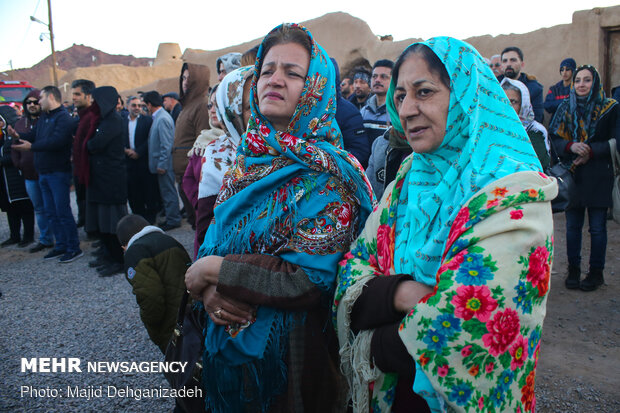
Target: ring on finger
{"points": [[218, 313]]}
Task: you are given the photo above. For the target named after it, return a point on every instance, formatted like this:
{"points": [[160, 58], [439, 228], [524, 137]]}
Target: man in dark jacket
{"points": [[512, 63], [559, 91], [24, 161], [354, 137], [142, 188], [106, 180], [81, 93], [172, 105], [51, 141]]}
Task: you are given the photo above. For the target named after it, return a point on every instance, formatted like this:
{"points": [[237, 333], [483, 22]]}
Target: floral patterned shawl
{"points": [[575, 120], [220, 153], [294, 194], [475, 340]]}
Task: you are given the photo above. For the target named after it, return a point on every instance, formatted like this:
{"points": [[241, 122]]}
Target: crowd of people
{"points": [[392, 223]]}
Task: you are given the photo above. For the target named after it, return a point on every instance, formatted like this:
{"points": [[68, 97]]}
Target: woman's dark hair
{"points": [[213, 89], [580, 69], [434, 64], [283, 35]]}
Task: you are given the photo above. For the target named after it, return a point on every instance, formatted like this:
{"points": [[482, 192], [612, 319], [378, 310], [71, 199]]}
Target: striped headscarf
{"points": [[484, 141]]}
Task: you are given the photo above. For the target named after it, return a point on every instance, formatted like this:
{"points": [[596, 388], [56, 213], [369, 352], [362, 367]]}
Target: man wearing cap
{"points": [[558, 92], [172, 105], [361, 87]]}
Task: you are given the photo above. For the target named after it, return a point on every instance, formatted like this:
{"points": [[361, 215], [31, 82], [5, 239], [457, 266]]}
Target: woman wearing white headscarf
{"points": [[519, 97]]}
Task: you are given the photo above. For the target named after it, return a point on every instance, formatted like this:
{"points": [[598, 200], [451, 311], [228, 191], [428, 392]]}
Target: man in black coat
{"points": [[142, 188]]}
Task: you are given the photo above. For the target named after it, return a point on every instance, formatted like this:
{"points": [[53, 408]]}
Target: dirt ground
{"points": [[579, 365]]}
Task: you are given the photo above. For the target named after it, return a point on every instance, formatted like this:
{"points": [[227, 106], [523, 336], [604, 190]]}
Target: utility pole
{"points": [[49, 9], [49, 26]]}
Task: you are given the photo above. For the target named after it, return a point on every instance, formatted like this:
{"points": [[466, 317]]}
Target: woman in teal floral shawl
{"points": [[446, 286], [286, 213]]}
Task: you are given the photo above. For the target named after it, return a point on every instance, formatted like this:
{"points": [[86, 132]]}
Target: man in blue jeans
{"points": [[50, 141]]}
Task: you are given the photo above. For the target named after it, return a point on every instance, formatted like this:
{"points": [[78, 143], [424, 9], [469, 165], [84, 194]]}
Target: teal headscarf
{"points": [[294, 194], [484, 141]]}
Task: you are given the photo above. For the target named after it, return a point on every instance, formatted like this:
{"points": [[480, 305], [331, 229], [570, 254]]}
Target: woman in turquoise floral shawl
{"points": [[444, 291], [285, 215]]}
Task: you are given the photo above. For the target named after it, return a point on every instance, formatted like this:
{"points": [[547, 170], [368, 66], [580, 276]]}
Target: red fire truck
{"points": [[13, 93]]}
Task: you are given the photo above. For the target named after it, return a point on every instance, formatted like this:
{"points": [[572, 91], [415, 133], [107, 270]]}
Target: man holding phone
{"points": [[51, 141]]}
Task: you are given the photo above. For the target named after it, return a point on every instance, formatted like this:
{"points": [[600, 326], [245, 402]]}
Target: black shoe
{"points": [[25, 243], [54, 254], [99, 262], [593, 280], [70, 256], [39, 247], [574, 275], [100, 252], [110, 269], [8, 242], [168, 227]]}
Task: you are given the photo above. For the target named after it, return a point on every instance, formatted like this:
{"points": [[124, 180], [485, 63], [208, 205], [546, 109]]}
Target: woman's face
{"points": [[213, 112], [281, 81], [424, 102], [583, 82], [515, 99]]}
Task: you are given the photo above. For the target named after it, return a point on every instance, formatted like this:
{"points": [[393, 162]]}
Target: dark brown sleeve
{"points": [[375, 306], [389, 352], [267, 280]]}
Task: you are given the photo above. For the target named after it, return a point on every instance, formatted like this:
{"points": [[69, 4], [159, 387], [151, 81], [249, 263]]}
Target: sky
{"points": [[131, 27]]}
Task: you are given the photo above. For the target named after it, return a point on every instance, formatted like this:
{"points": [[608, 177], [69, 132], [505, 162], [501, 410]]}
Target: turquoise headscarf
{"points": [[484, 141], [294, 194]]}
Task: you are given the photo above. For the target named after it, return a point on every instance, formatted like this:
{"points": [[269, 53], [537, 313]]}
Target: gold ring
{"points": [[218, 313]]}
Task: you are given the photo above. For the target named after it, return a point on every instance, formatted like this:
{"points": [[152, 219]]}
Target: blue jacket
{"points": [[52, 139], [375, 118], [557, 93]]}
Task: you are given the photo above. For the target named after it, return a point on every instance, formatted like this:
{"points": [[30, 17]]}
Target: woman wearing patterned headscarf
{"points": [[580, 130], [210, 160], [519, 97], [287, 211], [444, 292]]}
